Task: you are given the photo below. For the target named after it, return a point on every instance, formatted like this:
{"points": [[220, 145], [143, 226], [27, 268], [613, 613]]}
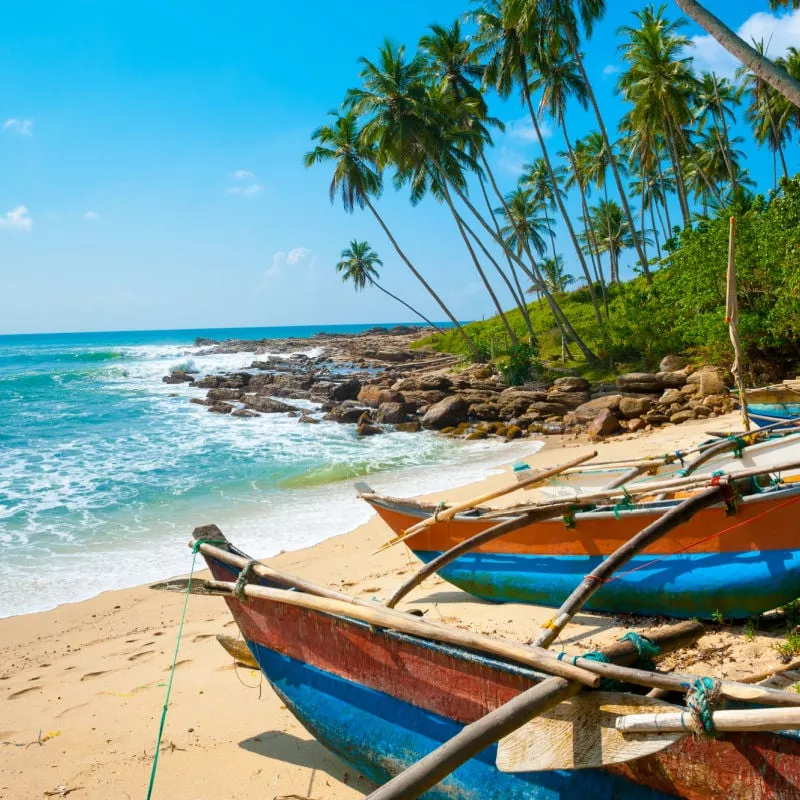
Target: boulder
{"points": [[671, 364], [178, 376], [439, 383], [485, 411], [266, 405], [421, 398], [408, 427], [654, 418], [260, 384], [672, 380], [670, 396], [445, 413], [682, 416], [516, 394], [346, 391], [569, 399], [392, 413], [690, 389], [405, 385], [588, 411], [308, 419], [221, 408], [201, 401], [639, 382], [244, 413], [367, 429], [513, 432], [631, 407], [571, 384], [209, 382], [716, 400], [710, 380], [547, 409], [224, 394], [604, 424], [377, 395], [636, 424]]}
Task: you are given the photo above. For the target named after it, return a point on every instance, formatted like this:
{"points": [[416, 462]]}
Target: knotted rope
{"points": [[440, 507], [245, 576], [645, 649], [701, 700]]}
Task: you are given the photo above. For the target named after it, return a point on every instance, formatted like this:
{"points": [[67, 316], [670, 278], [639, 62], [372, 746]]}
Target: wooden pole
{"points": [[751, 719], [732, 318], [597, 577]]}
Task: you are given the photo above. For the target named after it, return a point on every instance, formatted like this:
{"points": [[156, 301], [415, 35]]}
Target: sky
{"points": [[152, 169]]}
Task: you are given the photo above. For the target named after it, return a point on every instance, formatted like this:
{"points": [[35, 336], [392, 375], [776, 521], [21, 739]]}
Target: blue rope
{"points": [[646, 649], [701, 699]]}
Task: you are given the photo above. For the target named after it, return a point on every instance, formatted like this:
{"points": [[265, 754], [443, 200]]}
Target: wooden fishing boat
{"points": [[735, 565], [381, 700], [770, 404]]}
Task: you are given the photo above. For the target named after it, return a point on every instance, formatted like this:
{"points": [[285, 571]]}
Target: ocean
{"points": [[105, 470]]}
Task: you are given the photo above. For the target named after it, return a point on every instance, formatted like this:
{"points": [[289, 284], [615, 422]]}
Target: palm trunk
{"points": [[759, 65], [655, 230], [689, 152], [680, 184], [573, 45], [668, 232], [469, 343], [589, 282], [721, 126], [591, 237], [403, 302]]}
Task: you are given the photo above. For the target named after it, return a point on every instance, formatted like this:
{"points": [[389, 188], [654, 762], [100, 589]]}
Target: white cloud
{"points": [[778, 32], [91, 215], [523, 129], [243, 174], [24, 127], [16, 220], [250, 190], [610, 69], [296, 257]]}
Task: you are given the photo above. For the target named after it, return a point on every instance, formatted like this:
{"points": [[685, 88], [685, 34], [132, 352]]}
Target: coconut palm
{"points": [[613, 233], [557, 279], [357, 179], [713, 102], [525, 224], [751, 57], [359, 266], [790, 113]]}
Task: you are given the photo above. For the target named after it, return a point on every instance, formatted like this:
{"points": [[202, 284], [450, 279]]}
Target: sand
{"points": [[83, 686]]}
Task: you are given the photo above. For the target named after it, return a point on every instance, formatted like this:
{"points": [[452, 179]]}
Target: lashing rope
{"points": [[701, 700], [245, 575], [645, 649]]}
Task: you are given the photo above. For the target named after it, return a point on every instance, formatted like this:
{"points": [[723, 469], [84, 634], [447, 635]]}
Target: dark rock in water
{"points": [[260, 384], [377, 395], [308, 419], [244, 413], [178, 376], [604, 424], [221, 408], [208, 382], [201, 342], [261, 365], [392, 413], [347, 412], [224, 394], [450, 411], [266, 405], [408, 427], [201, 401], [366, 429], [346, 391]]}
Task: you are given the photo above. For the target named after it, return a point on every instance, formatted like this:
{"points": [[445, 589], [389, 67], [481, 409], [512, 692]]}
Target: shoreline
{"points": [[90, 676]]}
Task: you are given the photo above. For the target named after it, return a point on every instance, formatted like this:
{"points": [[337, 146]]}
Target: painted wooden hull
{"points": [[763, 414], [381, 700], [691, 572]]}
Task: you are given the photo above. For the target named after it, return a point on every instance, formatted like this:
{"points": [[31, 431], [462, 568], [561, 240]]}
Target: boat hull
{"points": [[736, 566], [381, 700], [763, 414]]}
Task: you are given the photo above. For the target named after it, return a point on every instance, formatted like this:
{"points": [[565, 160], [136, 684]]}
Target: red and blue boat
{"points": [[381, 700], [771, 404], [715, 564]]}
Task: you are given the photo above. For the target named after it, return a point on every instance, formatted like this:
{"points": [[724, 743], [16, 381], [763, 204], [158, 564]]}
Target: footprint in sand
{"points": [[94, 674], [201, 636], [24, 691], [179, 664], [139, 655]]}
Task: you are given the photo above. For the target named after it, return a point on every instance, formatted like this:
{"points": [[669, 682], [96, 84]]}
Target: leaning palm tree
{"points": [[713, 105], [357, 179], [613, 233], [557, 278], [359, 266], [764, 69]]}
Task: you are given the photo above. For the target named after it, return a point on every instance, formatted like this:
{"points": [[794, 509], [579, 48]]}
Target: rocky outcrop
{"points": [[710, 381], [178, 376], [671, 364], [588, 411], [349, 411], [571, 384], [645, 382], [448, 412], [391, 413], [346, 391], [604, 424], [630, 407], [266, 405], [377, 395]]}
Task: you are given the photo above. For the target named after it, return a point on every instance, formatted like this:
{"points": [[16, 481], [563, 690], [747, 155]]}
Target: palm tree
{"points": [[713, 104], [560, 15], [761, 67], [790, 113], [613, 233], [503, 38], [356, 179], [557, 279], [359, 266], [558, 79]]}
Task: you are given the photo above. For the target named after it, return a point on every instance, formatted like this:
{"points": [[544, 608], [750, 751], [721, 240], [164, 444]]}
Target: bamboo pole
{"points": [[751, 719], [732, 318]]}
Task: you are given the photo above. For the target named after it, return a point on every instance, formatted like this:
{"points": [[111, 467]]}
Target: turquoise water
{"points": [[105, 470]]}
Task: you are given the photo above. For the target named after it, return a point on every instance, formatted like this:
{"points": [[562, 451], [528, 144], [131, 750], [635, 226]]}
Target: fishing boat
{"points": [[381, 700], [770, 404], [735, 565]]}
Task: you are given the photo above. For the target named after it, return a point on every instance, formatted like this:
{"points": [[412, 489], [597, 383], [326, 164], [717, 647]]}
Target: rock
{"points": [[569, 399], [670, 396], [547, 409], [682, 416], [638, 382], [631, 407], [266, 405], [486, 411], [178, 376], [710, 380], [588, 411], [690, 389], [394, 355], [549, 429], [347, 412], [377, 395], [604, 424], [308, 419], [439, 383], [701, 411], [671, 364], [221, 408], [427, 398], [392, 413], [367, 429], [449, 411], [671, 379], [716, 400], [244, 413], [200, 401], [408, 427], [224, 394], [405, 385], [654, 418], [515, 394], [260, 384], [513, 432], [209, 382], [346, 391], [636, 424], [473, 435], [571, 384]]}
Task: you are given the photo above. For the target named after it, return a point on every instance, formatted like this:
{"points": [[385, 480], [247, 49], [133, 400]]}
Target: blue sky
{"points": [[152, 174]]}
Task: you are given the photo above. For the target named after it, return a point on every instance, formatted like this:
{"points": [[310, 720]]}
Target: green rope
{"points": [[738, 446], [195, 550], [701, 699], [646, 649]]}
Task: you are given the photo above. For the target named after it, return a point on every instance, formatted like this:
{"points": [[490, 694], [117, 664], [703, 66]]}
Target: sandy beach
{"points": [[83, 685]]}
